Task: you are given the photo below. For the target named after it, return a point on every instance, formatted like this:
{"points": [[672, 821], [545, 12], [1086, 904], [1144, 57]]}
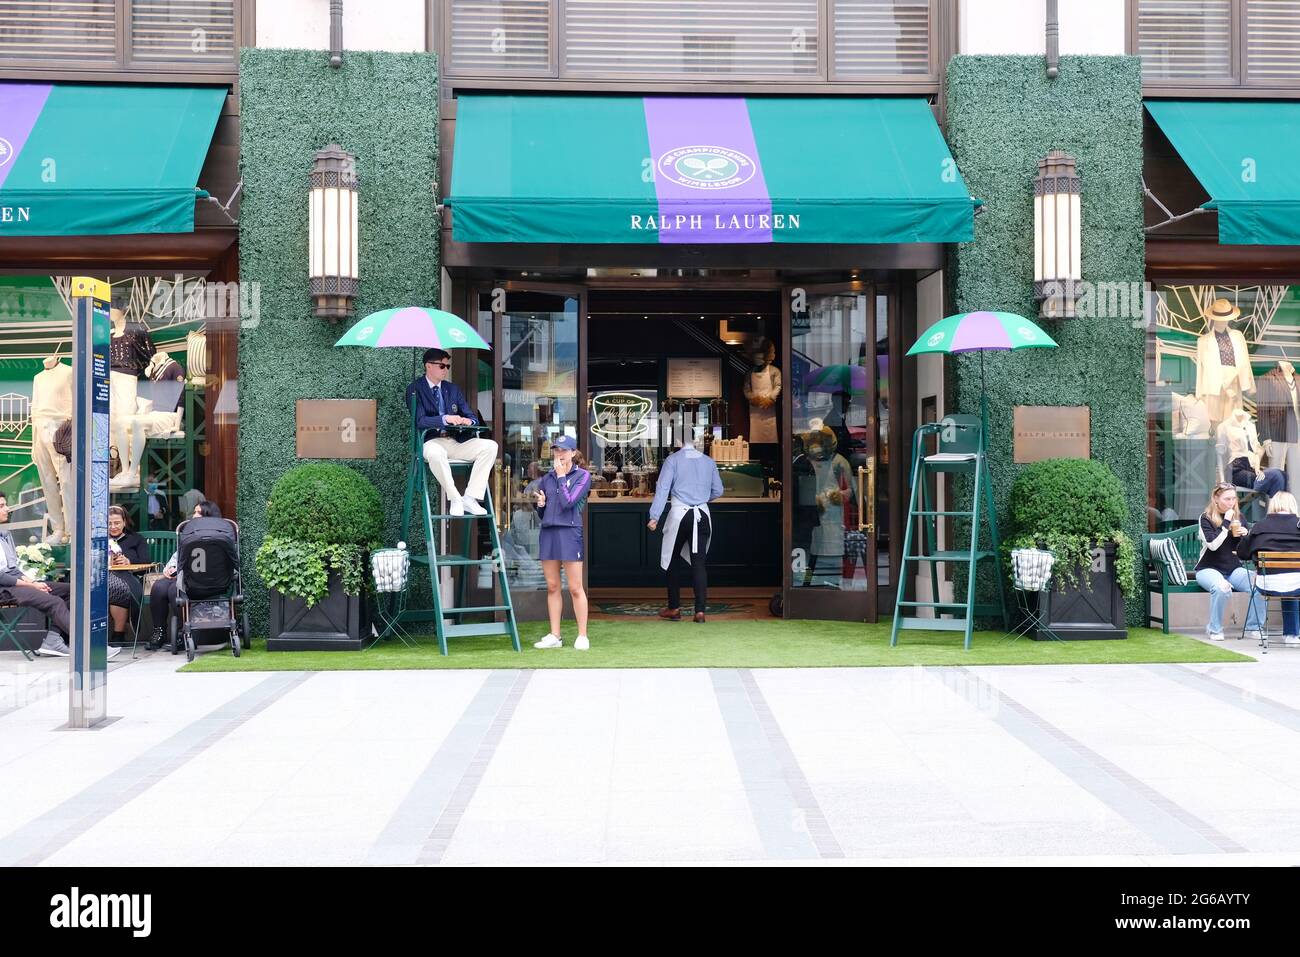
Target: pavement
{"points": [[1100, 764]]}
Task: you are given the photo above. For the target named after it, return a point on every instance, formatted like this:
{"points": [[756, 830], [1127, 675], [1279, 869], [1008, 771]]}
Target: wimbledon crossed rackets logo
{"points": [[706, 167], [935, 339], [6, 151]]}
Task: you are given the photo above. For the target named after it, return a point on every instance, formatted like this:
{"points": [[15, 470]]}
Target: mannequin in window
{"points": [[763, 390], [1239, 456], [1223, 372], [130, 351], [1278, 400], [51, 407]]}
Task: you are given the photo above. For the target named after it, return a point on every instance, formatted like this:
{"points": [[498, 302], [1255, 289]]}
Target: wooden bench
{"points": [[1156, 575]]}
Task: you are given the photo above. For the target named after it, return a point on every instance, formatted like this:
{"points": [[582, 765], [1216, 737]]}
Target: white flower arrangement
{"points": [[36, 561]]}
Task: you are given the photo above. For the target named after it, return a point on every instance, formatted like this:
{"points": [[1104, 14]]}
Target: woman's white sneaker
{"points": [[582, 644], [550, 641], [1216, 636], [1252, 635], [1291, 639]]}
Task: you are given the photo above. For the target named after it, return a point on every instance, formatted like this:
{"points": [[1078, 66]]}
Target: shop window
{"points": [[1218, 42], [817, 40], [199, 36], [1220, 402], [163, 373], [491, 37]]}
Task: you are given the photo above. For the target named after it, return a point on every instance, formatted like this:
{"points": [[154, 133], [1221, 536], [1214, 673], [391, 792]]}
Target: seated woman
{"points": [[1219, 570], [1277, 532], [124, 588], [162, 597]]}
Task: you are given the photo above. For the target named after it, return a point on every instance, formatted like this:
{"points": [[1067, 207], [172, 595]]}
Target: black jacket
{"points": [[1272, 533], [1223, 559], [134, 547]]}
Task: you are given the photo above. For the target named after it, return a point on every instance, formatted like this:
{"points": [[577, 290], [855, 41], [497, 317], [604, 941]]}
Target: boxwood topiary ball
{"points": [[1067, 496], [325, 502]]}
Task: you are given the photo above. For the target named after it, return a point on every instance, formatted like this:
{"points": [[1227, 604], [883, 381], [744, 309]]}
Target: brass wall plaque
{"points": [[1052, 432], [337, 428]]}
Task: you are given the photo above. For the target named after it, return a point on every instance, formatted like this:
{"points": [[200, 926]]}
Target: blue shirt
{"points": [[690, 477]]}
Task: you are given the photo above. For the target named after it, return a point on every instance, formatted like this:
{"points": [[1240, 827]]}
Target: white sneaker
{"points": [[456, 506], [472, 506], [582, 644], [113, 653], [1216, 636], [1252, 635], [1291, 639], [550, 641]]}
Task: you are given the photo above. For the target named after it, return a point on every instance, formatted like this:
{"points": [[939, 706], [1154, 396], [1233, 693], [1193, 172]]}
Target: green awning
{"points": [[81, 160], [626, 169], [1245, 155]]}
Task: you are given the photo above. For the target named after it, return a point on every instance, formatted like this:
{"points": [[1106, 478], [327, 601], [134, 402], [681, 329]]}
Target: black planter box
{"points": [[339, 622], [1094, 608]]}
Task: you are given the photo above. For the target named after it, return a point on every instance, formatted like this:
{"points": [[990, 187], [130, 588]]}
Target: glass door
{"points": [[539, 375], [830, 462]]}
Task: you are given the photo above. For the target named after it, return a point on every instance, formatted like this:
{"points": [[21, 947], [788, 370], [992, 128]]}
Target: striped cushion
{"points": [[1164, 550]]}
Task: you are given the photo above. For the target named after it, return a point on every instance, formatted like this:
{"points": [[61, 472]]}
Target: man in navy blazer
{"points": [[440, 404]]}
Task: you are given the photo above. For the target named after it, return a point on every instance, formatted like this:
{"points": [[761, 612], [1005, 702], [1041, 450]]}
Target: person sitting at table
{"points": [[440, 406], [162, 596], [48, 598], [124, 588], [1278, 532]]}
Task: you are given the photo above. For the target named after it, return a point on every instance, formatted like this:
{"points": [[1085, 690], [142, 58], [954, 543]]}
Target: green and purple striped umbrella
{"points": [[982, 331], [413, 327]]}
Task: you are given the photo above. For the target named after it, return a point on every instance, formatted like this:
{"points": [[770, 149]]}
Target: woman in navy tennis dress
{"points": [[561, 496]]}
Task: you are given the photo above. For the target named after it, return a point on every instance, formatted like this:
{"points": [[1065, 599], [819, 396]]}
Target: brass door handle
{"points": [[508, 499], [867, 498]]}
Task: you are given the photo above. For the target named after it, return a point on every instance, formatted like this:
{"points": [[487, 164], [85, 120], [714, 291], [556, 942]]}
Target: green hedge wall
{"points": [[1004, 114], [384, 108]]}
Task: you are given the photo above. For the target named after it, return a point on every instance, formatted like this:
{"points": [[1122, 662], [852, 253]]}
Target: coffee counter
{"points": [[623, 552]]}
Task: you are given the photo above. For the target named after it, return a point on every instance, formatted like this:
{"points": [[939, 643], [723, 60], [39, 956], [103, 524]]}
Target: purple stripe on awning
{"points": [[20, 106], [708, 177], [980, 330]]}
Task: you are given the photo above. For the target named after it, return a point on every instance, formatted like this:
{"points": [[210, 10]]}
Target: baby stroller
{"points": [[209, 591]]}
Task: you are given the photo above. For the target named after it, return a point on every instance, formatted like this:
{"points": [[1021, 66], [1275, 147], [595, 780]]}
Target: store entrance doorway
{"points": [[778, 385]]}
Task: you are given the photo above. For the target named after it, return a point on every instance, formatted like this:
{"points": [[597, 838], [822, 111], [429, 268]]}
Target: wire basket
{"points": [[391, 569], [1031, 568]]}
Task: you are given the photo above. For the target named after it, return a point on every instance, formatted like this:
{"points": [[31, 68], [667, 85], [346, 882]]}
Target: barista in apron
{"points": [[688, 481]]}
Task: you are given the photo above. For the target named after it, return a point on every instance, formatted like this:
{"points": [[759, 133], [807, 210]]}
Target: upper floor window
{"points": [[197, 36], [817, 40], [1218, 43]]}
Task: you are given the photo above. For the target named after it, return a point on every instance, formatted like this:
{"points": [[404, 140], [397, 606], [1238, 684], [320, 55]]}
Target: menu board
{"points": [[694, 378]]}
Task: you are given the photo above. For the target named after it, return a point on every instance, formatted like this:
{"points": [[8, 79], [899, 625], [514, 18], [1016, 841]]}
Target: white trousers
{"points": [[1286, 456], [52, 469], [440, 453], [123, 388]]}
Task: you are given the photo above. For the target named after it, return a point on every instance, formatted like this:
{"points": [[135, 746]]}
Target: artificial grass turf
{"points": [[771, 643]]}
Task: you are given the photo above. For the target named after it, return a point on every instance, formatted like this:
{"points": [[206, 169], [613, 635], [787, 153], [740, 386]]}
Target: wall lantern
{"points": [[332, 227], [1057, 275]]}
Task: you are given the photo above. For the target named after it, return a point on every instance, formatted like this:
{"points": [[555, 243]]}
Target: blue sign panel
{"points": [[88, 704]]}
